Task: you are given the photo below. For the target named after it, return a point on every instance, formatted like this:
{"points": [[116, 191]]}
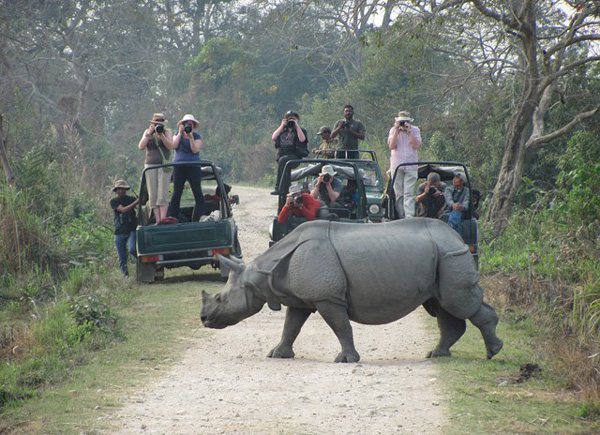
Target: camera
{"points": [[346, 124], [297, 197], [326, 178], [290, 123], [187, 129], [432, 190], [159, 128]]}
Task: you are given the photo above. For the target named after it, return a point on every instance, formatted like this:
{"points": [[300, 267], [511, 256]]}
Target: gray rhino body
{"points": [[367, 273]]}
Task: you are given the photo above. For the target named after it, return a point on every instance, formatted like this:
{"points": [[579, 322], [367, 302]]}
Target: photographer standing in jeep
{"points": [[157, 141], [291, 142], [404, 141], [430, 197], [350, 131]]}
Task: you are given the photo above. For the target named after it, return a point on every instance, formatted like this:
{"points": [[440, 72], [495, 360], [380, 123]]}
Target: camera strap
{"points": [[165, 160]]}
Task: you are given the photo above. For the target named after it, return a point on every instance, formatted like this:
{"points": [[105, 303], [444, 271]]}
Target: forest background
{"points": [[509, 88]]}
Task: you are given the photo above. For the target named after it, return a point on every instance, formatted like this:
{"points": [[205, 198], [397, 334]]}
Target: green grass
{"points": [[157, 322], [484, 396]]}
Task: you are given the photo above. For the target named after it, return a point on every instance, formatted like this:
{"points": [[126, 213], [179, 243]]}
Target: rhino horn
{"points": [[236, 259], [233, 265]]}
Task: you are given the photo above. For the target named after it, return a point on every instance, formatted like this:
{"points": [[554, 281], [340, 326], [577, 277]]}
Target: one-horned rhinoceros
{"points": [[368, 273]]}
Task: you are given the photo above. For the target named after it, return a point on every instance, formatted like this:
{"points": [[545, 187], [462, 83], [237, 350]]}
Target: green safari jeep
{"points": [[187, 242]]}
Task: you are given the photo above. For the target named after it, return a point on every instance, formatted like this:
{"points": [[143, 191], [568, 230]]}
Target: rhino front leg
{"points": [[486, 320], [294, 320], [451, 329], [336, 317]]}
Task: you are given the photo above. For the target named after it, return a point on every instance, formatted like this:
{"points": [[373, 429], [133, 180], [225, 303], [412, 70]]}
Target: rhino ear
{"points": [[233, 265]]}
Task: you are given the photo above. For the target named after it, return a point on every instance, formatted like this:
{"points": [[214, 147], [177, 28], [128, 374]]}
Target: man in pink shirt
{"points": [[404, 141]]}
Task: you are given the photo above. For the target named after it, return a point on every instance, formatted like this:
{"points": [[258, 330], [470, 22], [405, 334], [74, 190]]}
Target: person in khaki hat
{"points": [[328, 145], [328, 187], [157, 141], [125, 223], [404, 141]]}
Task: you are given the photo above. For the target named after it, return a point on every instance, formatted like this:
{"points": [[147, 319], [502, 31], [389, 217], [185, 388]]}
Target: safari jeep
{"points": [[372, 179], [305, 173], [468, 228], [187, 243]]}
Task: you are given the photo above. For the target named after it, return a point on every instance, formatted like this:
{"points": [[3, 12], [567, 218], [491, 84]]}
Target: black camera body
{"points": [[290, 123], [188, 129], [297, 197], [347, 124], [326, 178], [432, 190], [159, 128]]}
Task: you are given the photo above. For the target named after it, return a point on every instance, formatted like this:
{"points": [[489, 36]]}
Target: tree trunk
{"points": [[8, 172], [517, 133]]}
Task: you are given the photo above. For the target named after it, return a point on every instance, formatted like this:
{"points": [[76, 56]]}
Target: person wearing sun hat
{"points": [[187, 143], [328, 145], [157, 141], [328, 187], [404, 141], [300, 204], [125, 223]]}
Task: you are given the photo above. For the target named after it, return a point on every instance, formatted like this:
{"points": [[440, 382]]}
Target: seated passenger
{"points": [[328, 188], [430, 197], [298, 204], [457, 199], [351, 196]]}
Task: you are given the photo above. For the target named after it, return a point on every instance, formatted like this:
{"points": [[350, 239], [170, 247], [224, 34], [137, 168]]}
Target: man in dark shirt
{"points": [[350, 131], [430, 197], [291, 143], [125, 223]]}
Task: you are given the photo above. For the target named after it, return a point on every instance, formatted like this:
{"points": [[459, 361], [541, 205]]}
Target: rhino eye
{"points": [[218, 298]]}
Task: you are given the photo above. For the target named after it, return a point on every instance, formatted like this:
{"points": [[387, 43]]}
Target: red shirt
{"points": [[308, 209]]}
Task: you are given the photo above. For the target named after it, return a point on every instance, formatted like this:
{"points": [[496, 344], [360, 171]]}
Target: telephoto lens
{"points": [[290, 123], [188, 129], [159, 128]]}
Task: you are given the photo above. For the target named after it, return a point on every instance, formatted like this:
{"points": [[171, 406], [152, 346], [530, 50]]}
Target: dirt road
{"points": [[225, 384]]}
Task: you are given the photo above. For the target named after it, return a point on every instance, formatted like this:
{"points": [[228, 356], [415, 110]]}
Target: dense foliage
{"points": [[80, 80]]}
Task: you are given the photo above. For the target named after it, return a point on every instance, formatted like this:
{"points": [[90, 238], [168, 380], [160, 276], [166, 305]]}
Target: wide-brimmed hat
{"points": [[120, 184], [158, 118], [189, 117], [327, 169], [294, 188], [324, 129], [461, 175], [404, 116]]}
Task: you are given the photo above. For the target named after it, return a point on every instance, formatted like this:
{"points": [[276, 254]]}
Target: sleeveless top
{"points": [[153, 154]]}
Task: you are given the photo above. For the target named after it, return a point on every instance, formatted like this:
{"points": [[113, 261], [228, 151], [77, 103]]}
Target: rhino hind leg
{"points": [[294, 320], [486, 320], [336, 316], [451, 329]]}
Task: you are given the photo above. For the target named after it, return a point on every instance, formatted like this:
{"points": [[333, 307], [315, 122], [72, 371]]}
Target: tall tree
{"points": [[542, 48]]}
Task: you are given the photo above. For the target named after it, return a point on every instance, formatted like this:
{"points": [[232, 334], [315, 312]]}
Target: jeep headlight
{"points": [[374, 209]]}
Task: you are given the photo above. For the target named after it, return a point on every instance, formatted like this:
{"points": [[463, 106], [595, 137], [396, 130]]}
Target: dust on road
{"points": [[225, 384]]}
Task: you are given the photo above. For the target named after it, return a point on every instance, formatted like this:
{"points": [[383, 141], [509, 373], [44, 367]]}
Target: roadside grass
{"points": [[157, 321], [498, 397]]}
